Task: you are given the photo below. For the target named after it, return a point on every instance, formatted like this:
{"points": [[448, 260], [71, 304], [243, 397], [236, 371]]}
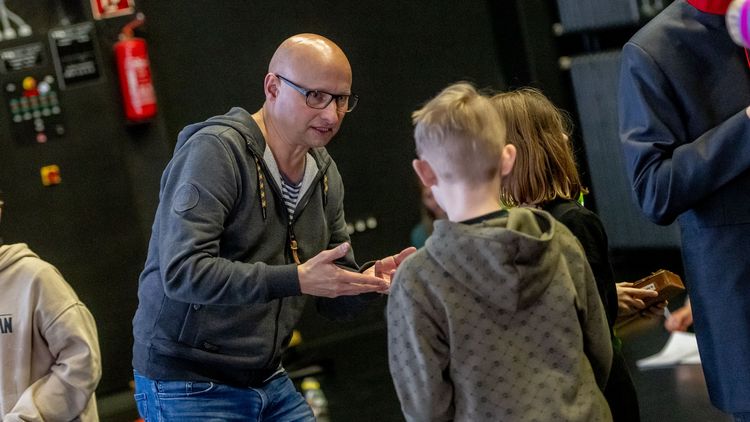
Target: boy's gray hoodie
{"points": [[219, 294], [499, 321]]}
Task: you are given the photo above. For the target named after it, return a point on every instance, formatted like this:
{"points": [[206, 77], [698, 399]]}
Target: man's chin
{"points": [[318, 139]]}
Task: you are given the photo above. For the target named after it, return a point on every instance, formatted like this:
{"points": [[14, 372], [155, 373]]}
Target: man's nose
{"points": [[331, 112]]}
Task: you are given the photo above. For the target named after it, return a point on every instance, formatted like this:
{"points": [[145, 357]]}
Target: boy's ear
{"points": [[424, 171], [509, 159]]}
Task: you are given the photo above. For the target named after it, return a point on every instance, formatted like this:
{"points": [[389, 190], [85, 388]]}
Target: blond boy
{"points": [[497, 317]]}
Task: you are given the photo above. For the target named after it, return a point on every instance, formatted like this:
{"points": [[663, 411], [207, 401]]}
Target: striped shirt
{"points": [[290, 194]]}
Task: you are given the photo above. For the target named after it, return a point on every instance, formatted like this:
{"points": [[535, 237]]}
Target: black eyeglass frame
{"points": [[351, 99]]}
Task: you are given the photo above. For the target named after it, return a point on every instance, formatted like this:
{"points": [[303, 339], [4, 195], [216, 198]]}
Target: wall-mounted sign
{"points": [[74, 54], [103, 9], [21, 57]]}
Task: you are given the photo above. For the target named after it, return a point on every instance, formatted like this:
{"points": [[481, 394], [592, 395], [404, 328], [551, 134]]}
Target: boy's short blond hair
{"points": [[460, 133]]}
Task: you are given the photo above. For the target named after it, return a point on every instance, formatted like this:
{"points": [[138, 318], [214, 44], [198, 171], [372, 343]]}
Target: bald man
{"points": [[250, 222]]}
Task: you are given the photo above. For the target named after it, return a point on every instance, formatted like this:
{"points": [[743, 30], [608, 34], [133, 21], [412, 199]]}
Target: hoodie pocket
{"points": [[191, 325]]}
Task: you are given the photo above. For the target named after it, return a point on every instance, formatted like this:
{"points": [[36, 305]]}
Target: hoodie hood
{"points": [[509, 260], [238, 119], [11, 254]]}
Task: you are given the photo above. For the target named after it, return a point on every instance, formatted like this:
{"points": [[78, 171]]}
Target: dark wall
{"points": [[574, 58], [208, 58], [94, 226]]}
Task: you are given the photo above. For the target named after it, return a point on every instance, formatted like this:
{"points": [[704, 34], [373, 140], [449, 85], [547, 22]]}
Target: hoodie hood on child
{"points": [[508, 261]]}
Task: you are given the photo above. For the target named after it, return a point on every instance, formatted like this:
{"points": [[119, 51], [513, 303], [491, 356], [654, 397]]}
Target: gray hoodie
{"points": [[219, 294], [499, 321]]}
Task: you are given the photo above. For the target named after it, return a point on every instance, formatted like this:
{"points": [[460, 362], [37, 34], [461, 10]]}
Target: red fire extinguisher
{"points": [[138, 96]]}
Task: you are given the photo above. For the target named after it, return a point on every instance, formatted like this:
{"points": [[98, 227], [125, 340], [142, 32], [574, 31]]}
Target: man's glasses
{"points": [[321, 99]]}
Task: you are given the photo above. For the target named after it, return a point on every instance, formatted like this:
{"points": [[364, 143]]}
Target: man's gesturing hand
{"points": [[319, 276]]}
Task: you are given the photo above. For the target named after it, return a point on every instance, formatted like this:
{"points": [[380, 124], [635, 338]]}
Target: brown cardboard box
{"points": [[667, 283]]}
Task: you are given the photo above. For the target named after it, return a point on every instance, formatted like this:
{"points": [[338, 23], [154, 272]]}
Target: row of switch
{"points": [[37, 100], [33, 100]]}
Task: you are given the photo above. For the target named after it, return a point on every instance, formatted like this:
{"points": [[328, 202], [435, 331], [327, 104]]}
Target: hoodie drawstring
{"points": [[325, 190], [261, 188]]}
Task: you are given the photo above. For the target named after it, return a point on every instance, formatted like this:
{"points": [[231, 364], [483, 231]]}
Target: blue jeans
{"points": [[277, 400]]}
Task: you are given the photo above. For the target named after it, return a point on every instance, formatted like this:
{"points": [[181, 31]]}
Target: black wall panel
{"points": [[95, 225], [595, 81], [209, 56], [206, 57], [578, 15]]}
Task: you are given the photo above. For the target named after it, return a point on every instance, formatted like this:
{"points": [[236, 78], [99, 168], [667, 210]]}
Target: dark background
{"points": [[208, 56]]}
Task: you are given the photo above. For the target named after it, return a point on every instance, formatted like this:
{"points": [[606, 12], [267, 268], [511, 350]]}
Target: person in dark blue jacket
{"points": [[685, 129]]}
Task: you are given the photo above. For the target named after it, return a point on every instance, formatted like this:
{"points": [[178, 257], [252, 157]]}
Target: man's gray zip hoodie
{"points": [[219, 294]]}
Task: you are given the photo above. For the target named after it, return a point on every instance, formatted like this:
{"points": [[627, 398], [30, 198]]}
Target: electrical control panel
{"points": [[33, 101], [28, 84]]}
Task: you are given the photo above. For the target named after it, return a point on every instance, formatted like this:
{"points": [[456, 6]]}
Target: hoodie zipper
{"points": [[262, 169], [301, 206], [293, 244]]}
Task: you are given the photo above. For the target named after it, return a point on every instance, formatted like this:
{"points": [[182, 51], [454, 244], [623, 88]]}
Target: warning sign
{"points": [[103, 9]]}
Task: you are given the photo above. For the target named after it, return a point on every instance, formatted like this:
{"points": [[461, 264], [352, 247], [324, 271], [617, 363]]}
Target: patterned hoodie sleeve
{"points": [[418, 355]]}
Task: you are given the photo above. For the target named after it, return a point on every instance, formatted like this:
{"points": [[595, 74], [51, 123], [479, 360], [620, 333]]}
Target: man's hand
{"points": [[319, 276], [630, 301], [386, 267]]}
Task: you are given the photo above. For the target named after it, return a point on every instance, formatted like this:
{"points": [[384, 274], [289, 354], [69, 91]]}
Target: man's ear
{"points": [[425, 172], [508, 159], [271, 86]]}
